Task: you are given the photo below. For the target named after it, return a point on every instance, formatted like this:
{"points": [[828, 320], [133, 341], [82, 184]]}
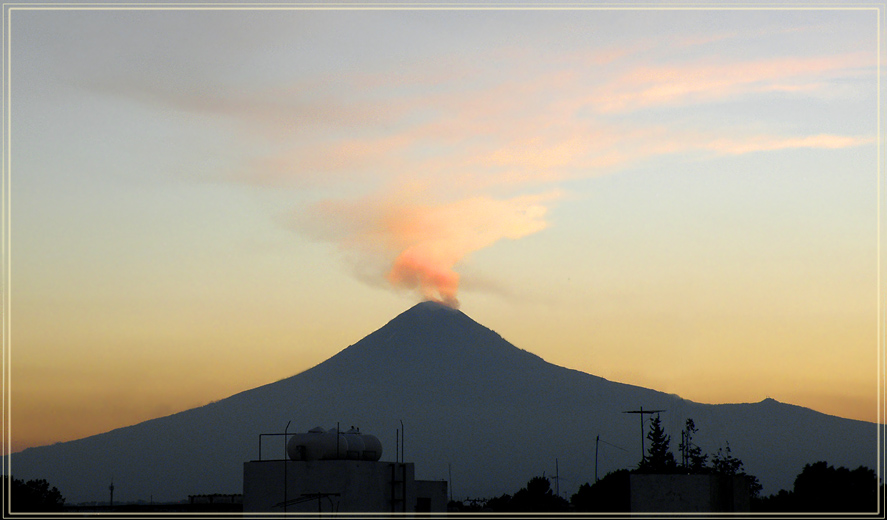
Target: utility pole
{"points": [[111, 489], [643, 412], [597, 441], [285, 457]]}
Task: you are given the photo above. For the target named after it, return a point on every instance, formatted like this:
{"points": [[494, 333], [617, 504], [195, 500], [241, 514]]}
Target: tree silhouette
{"points": [[659, 459], [32, 496], [609, 494], [693, 460], [822, 488], [538, 497], [725, 463]]}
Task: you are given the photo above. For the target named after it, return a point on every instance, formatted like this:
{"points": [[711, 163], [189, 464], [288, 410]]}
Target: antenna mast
{"points": [[643, 412]]}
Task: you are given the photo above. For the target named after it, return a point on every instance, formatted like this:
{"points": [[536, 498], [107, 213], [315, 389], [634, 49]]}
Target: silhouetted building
{"points": [[675, 493], [328, 471], [338, 486]]}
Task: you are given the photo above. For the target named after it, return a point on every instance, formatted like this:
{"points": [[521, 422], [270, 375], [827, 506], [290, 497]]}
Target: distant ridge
{"points": [[471, 403]]}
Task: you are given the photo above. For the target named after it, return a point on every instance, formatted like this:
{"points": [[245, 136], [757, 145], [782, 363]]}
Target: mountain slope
{"points": [[468, 400]]}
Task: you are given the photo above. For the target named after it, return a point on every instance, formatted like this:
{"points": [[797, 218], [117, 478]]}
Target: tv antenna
{"points": [[643, 412], [557, 478]]}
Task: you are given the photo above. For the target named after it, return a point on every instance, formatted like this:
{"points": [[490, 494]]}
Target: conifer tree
{"points": [[659, 459]]}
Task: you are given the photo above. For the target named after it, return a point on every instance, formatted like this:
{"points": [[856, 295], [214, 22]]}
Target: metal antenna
{"points": [[643, 412], [450, 471]]}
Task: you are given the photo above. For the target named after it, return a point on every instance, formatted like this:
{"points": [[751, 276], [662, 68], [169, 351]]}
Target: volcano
{"points": [[465, 404]]}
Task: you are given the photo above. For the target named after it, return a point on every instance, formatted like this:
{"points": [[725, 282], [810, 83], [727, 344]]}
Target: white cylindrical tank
{"points": [[337, 448], [372, 448], [313, 445], [355, 444], [320, 444]]}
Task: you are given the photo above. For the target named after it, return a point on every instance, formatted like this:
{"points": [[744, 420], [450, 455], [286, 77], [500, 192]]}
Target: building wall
{"points": [[688, 493], [435, 491], [337, 486]]}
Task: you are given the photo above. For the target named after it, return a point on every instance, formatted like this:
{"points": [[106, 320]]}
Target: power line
{"points": [[596, 441]]}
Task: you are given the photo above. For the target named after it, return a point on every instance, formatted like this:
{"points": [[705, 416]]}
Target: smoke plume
{"points": [[419, 244]]}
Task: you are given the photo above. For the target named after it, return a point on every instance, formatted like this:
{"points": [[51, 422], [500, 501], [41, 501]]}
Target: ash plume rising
{"points": [[413, 270], [417, 246]]}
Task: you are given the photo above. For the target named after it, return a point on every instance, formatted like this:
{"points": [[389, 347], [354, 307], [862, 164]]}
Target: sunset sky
{"points": [[207, 200]]}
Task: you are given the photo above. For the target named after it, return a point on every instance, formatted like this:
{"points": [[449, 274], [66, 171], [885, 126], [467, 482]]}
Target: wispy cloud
{"points": [[770, 143], [654, 86], [452, 155]]}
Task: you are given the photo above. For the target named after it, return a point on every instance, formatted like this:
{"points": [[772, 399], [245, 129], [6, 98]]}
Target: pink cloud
{"points": [[651, 86]]}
